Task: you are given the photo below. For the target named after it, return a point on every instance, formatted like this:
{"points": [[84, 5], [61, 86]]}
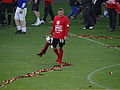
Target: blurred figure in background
{"points": [[48, 10], [20, 14], [73, 4], [89, 14], [35, 8], [80, 7], [111, 4], [6, 4], [97, 7], [105, 12], [0, 13]]}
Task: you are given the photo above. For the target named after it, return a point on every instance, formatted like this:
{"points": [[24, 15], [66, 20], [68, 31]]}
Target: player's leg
{"points": [[61, 44], [35, 9], [10, 11], [3, 8], [60, 56], [38, 22], [72, 12], [0, 14], [18, 24], [17, 21], [46, 11], [51, 12], [88, 18], [23, 21], [23, 25], [37, 15], [76, 12], [55, 42]]}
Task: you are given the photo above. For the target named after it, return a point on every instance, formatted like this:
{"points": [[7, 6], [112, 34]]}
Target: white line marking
{"points": [[96, 26], [89, 77], [95, 41]]}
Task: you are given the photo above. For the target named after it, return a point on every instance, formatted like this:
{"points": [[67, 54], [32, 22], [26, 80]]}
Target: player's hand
{"points": [[21, 11], [65, 38], [35, 1], [50, 35]]}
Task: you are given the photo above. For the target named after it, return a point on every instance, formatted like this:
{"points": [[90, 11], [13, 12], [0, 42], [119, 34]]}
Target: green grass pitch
{"points": [[91, 59]]}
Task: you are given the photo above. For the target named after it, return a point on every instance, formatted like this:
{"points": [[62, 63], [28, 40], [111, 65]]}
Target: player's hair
{"points": [[60, 9]]}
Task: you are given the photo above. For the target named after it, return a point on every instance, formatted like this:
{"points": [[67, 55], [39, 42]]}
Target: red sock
{"points": [[57, 53], [60, 56]]}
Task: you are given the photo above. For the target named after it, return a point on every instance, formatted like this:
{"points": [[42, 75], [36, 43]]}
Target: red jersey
{"points": [[112, 3], [50, 2], [7, 1], [60, 27]]}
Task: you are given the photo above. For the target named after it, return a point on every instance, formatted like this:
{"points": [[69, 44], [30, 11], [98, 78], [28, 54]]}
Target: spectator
{"points": [[73, 5], [7, 4], [0, 13], [15, 5], [112, 13], [48, 10], [80, 7], [105, 12], [20, 14], [89, 14], [97, 6], [35, 8]]}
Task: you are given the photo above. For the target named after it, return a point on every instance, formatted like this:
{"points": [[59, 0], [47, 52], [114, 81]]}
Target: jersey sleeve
{"points": [[53, 28], [25, 1], [67, 25]]}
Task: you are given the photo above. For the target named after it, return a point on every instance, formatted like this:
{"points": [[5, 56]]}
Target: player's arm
{"points": [[53, 29], [35, 1], [67, 25], [23, 6]]}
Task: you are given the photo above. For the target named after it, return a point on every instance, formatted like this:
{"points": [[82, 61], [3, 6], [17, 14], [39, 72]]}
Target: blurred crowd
{"points": [[92, 10]]}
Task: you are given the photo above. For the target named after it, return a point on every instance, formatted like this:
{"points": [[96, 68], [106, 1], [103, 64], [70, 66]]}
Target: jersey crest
{"points": [[58, 22]]}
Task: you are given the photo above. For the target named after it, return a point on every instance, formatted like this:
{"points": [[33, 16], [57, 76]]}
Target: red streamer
{"points": [[113, 46], [92, 37], [54, 68]]}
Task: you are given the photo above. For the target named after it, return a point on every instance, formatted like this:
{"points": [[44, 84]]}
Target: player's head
{"points": [[60, 12]]}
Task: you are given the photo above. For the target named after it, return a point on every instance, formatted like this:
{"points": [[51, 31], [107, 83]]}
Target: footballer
{"points": [[60, 28]]}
